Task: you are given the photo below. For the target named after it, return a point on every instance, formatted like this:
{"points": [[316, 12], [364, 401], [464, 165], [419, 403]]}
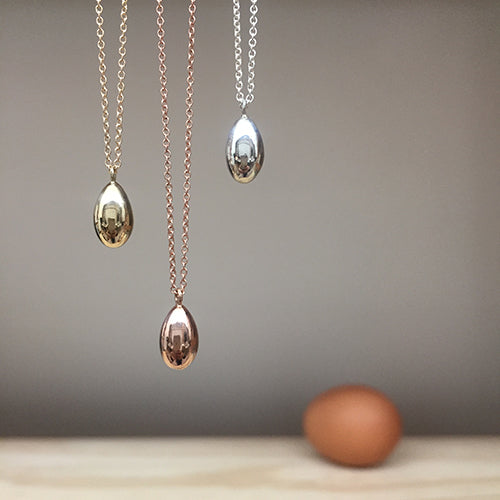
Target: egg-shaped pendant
{"points": [[244, 150], [113, 217], [178, 338]]}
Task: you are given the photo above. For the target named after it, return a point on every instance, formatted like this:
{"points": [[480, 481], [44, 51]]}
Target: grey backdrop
{"points": [[367, 250]]}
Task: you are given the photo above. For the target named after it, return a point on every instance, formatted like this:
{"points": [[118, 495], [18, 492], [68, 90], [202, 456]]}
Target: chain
{"points": [[112, 164], [252, 42], [178, 291]]}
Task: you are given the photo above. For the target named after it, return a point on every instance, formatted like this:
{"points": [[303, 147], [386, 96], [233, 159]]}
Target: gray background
{"points": [[367, 250]]}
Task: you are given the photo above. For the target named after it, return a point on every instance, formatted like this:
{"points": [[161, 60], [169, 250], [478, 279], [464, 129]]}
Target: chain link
{"points": [[112, 164], [178, 291], [238, 63]]}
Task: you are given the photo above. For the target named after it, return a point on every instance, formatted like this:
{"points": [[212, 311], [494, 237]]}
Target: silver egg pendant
{"points": [[244, 150], [178, 338], [113, 217]]}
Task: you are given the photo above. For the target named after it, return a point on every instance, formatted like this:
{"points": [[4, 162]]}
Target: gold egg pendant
{"points": [[113, 217], [178, 338]]}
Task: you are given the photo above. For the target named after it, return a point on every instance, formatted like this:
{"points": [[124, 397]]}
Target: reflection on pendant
{"points": [[113, 218], [244, 150], [178, 338]]}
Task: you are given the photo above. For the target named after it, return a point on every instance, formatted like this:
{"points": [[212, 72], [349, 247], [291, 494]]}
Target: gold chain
{"points": [[178, 291], [112, 164]]}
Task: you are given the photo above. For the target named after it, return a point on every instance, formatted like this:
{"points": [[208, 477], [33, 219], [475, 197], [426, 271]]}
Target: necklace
{"points": [[179, 335], [113, 218], [244, 148]]}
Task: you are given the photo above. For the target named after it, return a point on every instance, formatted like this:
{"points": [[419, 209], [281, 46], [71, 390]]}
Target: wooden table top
{"points": [[243, 468]]}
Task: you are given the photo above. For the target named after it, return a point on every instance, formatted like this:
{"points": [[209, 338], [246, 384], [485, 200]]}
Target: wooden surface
{"points": [[243, 468]]}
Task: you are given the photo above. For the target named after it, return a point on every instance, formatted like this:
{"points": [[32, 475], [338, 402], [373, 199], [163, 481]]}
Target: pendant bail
{"points": [[178, 296], [112, 173]]}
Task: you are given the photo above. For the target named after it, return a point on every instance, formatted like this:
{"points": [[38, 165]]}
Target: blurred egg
{"points": [[353, 425]]}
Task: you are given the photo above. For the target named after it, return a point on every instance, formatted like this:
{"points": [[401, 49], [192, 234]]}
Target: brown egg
{"points": [[353, 425]]}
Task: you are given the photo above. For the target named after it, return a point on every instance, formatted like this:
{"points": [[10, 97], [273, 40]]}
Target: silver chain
{"points": [[112, 164], [242, 99]]}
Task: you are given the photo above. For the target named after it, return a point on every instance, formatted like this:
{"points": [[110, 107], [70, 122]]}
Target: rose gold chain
{"points": [[112, 164], [178, 291]]}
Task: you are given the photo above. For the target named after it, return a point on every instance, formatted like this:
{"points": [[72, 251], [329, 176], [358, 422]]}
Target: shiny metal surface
{"points": [[244, 150], [178, 338], [113, 218]]}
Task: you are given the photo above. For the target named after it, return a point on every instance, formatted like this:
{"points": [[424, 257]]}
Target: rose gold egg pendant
{"points": [[178, 338]]}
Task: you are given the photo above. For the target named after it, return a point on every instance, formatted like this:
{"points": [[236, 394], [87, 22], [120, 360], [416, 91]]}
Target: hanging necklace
{"points": [[113, 218], [244, 148], [179, 335]]}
